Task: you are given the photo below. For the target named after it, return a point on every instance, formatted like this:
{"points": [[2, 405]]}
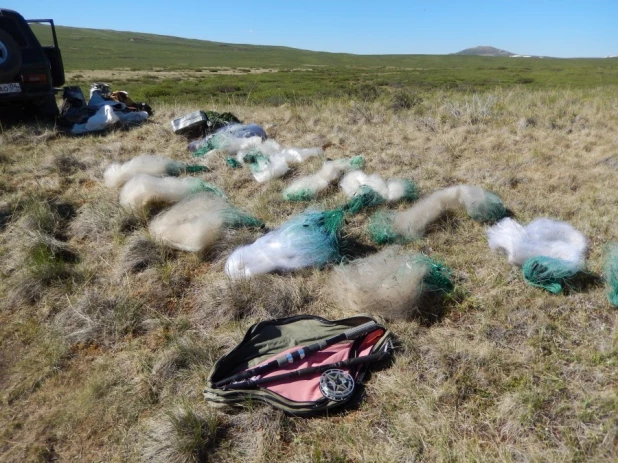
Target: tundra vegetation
{"points": [[107, 336]]}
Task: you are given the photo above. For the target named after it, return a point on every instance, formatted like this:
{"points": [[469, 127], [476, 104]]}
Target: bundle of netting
{"points": [[310, 239], [118, 174], [269, 160], [367, 191], [196, 223], [391, 283], [264, 168], [231, 138], [550, 252], [309, 187], [144, 190], [611, 273], [411, 224]]}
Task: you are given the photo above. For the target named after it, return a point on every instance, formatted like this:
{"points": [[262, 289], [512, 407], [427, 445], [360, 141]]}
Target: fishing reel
{"points": [[337, 385]]}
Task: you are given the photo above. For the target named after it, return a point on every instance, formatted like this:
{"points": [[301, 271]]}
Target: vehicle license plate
{"points": [[10, 88]]}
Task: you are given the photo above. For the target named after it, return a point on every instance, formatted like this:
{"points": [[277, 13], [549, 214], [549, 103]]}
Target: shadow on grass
{"points": [[17, 116], [582, 283], [350, 249]]}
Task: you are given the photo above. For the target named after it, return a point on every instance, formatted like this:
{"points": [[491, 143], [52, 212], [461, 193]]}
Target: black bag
{"points": [[299, 364], [74, 109]]}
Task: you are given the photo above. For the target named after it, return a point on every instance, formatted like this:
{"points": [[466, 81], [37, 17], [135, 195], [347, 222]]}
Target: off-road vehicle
{"points": [[29, 72]]}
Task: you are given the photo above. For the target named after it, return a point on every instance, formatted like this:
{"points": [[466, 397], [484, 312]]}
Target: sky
{"points": [[559, 28]]}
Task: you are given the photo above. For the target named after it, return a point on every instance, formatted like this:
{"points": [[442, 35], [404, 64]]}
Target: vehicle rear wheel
{"points": [[10, 57]]}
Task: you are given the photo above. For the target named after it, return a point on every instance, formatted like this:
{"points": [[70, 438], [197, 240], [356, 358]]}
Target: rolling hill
{"points": [[170, 68], [484, 51], [104, 49]]}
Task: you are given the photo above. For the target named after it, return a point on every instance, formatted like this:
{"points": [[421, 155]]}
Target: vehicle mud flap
{"points": [[48, 107]]}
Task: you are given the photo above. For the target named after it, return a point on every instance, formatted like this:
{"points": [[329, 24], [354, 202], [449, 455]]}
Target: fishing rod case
{"points": [[306, 394]]}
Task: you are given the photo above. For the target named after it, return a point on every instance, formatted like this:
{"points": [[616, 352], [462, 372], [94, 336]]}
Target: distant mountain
{"points": [[484, 51]]}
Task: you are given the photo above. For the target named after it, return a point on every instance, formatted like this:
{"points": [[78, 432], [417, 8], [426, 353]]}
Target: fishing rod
{"points": [[300, 353], [253, 383]]}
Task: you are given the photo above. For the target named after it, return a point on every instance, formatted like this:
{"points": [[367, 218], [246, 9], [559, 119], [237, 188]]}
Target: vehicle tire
{"points": [[10, 57], [48, 107]]}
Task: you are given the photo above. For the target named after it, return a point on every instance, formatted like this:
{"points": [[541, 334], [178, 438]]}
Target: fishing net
{"points": [[611, 274], [263, 167], [309, 187], [214, 142], [309, 239], [489, 209], [143, 190], [231, 138], [409, 190], [391, 283], [237, 218], [178, 168], [357, 162], [367, 191], [549, 273], [381, 229], [198, 185], [233, 163], [550, 252], [196, 222], [364, 198], [217, 120], [541, 237], [438, 276], [306, 194], [116, 174], [412, 223]]}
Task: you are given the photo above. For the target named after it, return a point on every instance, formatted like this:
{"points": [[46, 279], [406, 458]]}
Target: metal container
{"points": [[191, 122]]}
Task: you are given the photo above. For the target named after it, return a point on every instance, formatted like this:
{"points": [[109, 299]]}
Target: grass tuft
{"points": [[140, 253], [99, 317], [266, 296], [183, 436]]}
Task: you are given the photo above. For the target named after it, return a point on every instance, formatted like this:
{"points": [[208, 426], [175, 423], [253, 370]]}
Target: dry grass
{"points": [[182, 436], [103, 333]]}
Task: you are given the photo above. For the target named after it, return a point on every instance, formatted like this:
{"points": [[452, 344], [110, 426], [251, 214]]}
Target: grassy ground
{"points": [[106, 338], [273, 87]]}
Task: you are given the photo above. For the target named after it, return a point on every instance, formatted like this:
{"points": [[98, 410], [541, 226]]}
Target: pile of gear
{"points": [[306, 364], [105, 109]]}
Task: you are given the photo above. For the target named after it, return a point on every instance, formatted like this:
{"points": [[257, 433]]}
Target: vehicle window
{"points": [[43, 33], [12, 28]]}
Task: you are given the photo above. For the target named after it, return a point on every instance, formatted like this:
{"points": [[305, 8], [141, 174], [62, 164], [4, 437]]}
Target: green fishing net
{"points": [[365, 198], [214, 142], [217, 120], [233, 163], [236, 218], [549, 273], [491, 209], [199, 186], [380, 228], [438, 278], [315, 236], [299, 195], [178, 168], [256, 160], [611, 273], [410, 192], [357, 162]]}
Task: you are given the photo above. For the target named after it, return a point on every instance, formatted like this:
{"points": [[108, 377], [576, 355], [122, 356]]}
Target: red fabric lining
{"points": [[306, 388]]}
